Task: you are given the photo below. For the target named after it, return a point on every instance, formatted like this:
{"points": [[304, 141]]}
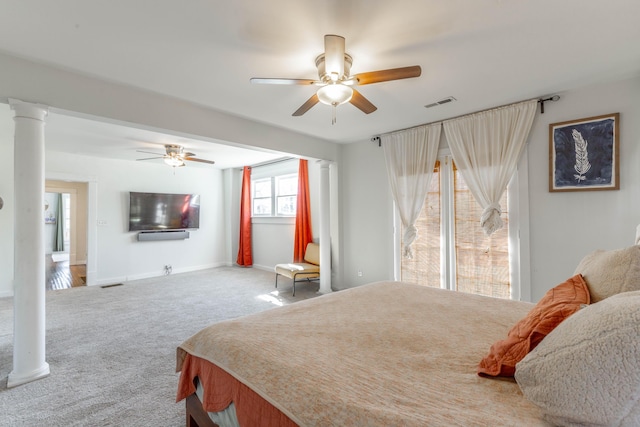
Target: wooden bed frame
{"points": [[196, 415]]}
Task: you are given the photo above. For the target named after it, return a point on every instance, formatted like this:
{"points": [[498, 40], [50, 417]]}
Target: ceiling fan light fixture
{"points": [[335, 79], [174, 161], [334, 94]]}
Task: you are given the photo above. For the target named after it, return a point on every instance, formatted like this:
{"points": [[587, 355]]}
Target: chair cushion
{"points": [[312, 254], [301, 269]]}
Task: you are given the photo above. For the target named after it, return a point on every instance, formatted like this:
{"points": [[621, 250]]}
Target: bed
{"points": [[382, 354]]}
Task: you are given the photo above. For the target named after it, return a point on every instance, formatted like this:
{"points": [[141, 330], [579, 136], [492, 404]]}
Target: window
{"points": [[451, 250], [274, 190], [262, 197], [286, 194]]}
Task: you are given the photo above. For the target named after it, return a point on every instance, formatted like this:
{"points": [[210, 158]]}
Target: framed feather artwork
{"points": [[584, 154]]}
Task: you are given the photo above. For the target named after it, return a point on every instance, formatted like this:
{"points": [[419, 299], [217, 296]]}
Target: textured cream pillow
{"points": [[587, 370], [611, 272]]}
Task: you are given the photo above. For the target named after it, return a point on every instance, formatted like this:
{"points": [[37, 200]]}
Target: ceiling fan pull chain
{"points": [[333, 113]]}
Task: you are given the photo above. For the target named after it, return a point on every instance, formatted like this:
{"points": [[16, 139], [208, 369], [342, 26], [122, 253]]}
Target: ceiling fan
{"points": [[335, 79], [175, 156]]}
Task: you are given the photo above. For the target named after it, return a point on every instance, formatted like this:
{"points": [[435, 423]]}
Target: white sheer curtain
{"points": [[410, 156], [486, 147]]}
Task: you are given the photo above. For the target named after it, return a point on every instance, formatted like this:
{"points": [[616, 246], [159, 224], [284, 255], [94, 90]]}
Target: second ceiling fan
{"points": [[175, 156], [335, 79]]}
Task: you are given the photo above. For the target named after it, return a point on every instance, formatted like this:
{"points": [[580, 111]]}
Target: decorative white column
{"points": [[29, 267], [325, 228]]}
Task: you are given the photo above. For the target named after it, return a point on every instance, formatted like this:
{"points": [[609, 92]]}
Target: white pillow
{"points": [[611, 272], [587, 370]]}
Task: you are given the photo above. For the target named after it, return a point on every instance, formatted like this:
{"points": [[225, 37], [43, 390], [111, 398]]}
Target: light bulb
{"points": [[334, 94], [173, 161]]}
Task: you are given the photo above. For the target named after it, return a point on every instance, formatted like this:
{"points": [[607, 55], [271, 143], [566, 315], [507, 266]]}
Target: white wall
{"points": [[566, 226], [563, 226], [367, 216]]}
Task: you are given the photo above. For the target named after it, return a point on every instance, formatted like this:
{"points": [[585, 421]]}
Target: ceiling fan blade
{"points": [[362, 103], [152, 158], [187, 154], [307, 105], [193, 159], [387, 75], [150, 152], [303, 82], [334, 56]]}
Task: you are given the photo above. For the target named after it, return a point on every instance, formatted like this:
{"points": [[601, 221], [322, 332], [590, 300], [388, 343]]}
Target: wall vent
{"points": [[442, 101]]}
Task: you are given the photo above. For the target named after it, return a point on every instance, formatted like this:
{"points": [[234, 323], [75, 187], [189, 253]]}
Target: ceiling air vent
{"points": [[441, 102]]}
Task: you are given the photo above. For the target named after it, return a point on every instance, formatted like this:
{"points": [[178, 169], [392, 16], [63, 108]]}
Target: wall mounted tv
{"points": [[162, 211]]}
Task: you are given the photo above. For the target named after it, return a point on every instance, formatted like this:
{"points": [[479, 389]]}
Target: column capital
{"points": [[29, 110], [325, 163]]}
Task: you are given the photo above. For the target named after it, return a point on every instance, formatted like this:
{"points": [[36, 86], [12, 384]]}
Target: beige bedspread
{"points": [[384, 354]]}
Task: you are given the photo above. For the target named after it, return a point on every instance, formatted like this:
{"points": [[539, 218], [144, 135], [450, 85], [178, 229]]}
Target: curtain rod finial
{"points": [[541, 101]]}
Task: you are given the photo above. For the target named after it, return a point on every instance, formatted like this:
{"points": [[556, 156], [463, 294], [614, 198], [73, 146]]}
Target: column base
{"points": [[16, 379]]}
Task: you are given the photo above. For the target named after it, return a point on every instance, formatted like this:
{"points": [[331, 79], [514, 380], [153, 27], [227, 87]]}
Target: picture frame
{"points": [[584, 154]]}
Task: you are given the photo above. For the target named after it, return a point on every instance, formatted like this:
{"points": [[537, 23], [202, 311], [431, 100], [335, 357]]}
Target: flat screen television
{"points": [[162, 211]]}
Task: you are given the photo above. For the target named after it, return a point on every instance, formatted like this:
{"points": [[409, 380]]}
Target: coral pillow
{"points": [[557, 304]]}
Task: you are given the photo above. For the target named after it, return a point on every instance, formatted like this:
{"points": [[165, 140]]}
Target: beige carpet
{"points": [[111, 350]]}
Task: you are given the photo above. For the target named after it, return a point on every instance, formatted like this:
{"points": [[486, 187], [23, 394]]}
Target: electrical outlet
{"points": [[168, 269], [359, 273]]}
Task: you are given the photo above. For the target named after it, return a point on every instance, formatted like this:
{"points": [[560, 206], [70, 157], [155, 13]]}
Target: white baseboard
{"points": [[264, 267], [149, 275]]}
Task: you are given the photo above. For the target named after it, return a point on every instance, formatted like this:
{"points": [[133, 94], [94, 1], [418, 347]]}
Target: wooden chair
{"points": [[306, 271]]}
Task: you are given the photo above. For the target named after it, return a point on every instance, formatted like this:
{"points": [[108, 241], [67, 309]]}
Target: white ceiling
{"points": [[485, 53]]}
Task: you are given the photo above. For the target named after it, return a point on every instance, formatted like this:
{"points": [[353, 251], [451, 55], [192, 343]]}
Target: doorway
{"points": [[65, 234]]}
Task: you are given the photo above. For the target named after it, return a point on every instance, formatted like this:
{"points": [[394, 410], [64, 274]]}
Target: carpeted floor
{"points": [[111, 350]]}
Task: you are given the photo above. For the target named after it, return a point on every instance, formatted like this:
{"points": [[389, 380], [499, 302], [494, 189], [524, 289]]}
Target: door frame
{"points": [[92, 218]]}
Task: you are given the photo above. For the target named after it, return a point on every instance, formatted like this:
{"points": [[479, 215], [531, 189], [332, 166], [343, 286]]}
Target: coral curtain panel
{"points": [[303, 233], [245, 256]]}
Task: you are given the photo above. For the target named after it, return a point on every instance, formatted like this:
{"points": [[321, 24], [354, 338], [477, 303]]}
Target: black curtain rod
{"points": [[541, 101]]}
